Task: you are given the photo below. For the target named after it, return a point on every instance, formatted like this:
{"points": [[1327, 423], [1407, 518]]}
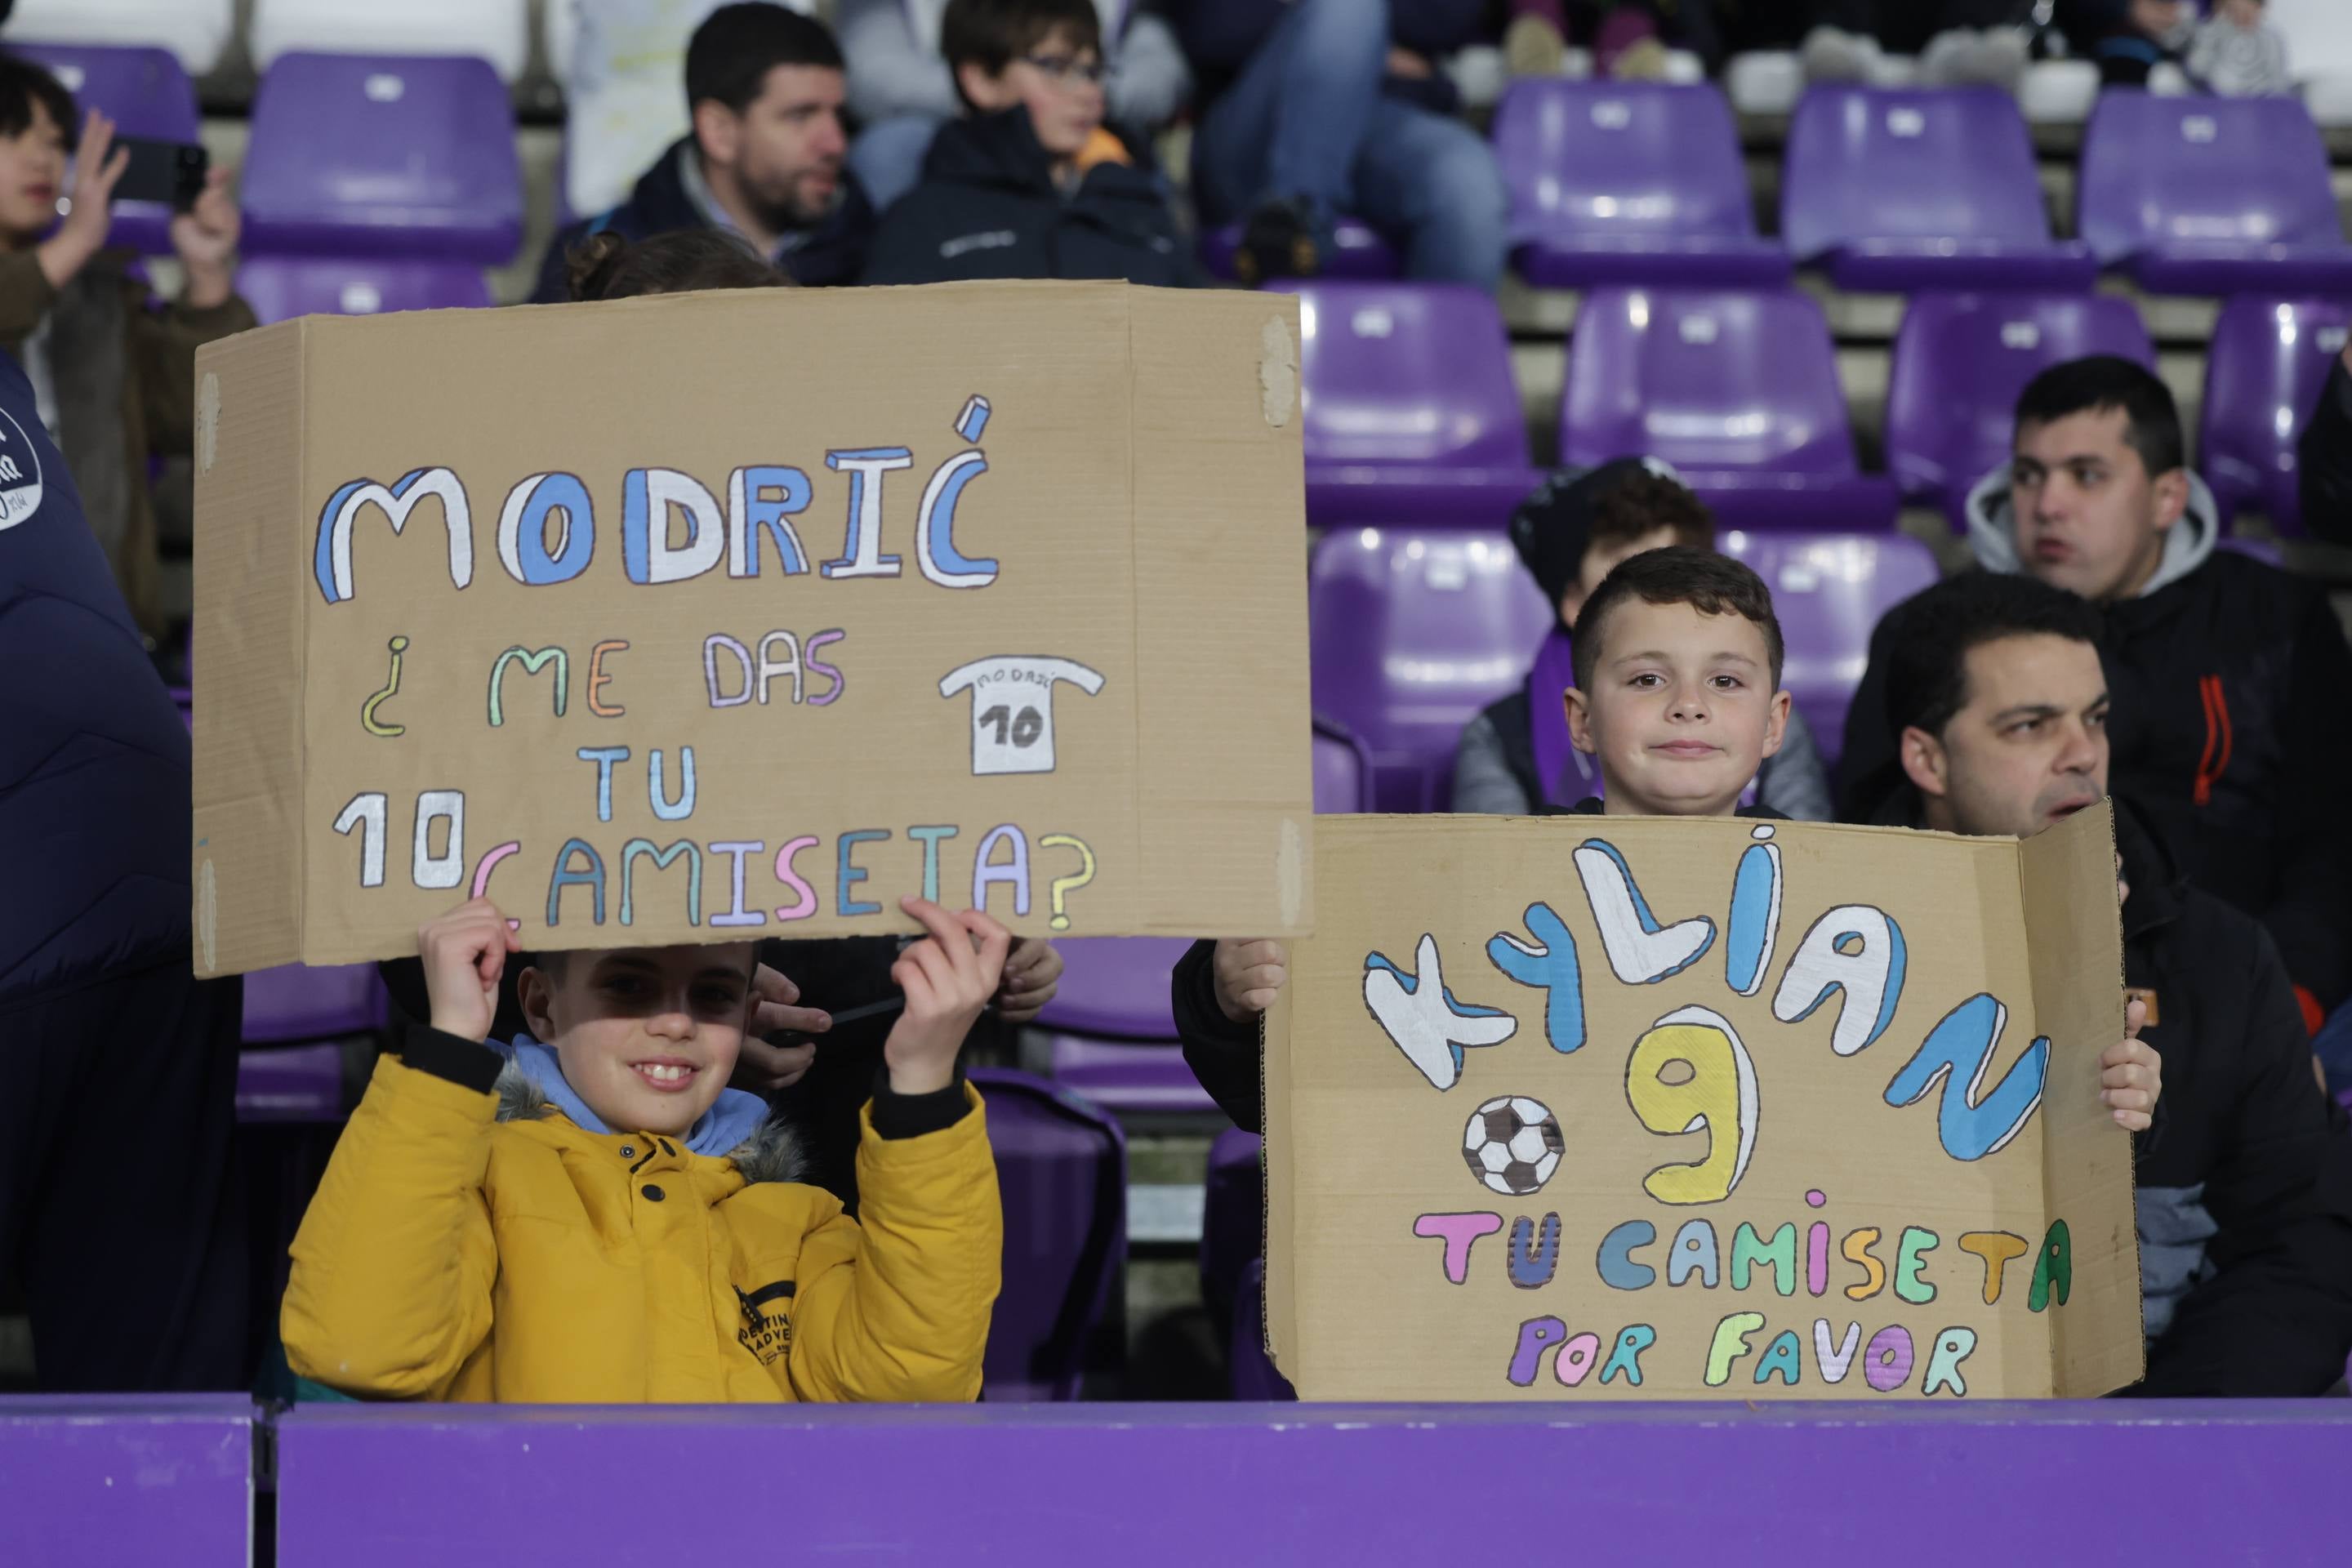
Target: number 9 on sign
{"points": [[1690, 1074]]}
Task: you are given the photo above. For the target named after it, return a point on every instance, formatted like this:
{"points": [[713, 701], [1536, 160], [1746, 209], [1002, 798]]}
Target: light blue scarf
{"points": [[732, 1119]]}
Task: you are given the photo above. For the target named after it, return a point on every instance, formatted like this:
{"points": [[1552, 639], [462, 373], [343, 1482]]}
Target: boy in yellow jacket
{"points": [[598, 1218]]}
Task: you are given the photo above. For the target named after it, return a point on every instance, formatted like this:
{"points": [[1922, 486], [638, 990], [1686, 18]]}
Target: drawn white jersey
{"points": [[1013, 708]]}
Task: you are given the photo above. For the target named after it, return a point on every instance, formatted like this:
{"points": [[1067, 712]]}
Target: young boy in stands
{"points": [[1569, 534], [1678, 697], [1994, 686], [588, 1214], [1031, 183], [2230, 674]]}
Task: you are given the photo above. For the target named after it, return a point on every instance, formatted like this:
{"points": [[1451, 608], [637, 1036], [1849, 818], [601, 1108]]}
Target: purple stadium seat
{"points": [[2211, 196], [1410, 636], [129, 1477], [1740, 391], [145, 94], [1062, 1167], [1232, 1218], [1828, 591], [383, 156], [298, 1003], [1115, 987], [1355, 252], [1961, 361], [1252, 1372], [1411, 416], [304, 1084], [2263, 372], [1901, 190], [280, 288], [1343, 770], [1629, 183]]}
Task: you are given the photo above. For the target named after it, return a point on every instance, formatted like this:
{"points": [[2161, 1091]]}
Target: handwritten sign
{"points": [[738, 615], [1638, 1107]]}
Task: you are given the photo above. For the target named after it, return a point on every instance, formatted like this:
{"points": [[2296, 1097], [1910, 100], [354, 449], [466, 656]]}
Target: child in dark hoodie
{"points": [[1032, 184]]}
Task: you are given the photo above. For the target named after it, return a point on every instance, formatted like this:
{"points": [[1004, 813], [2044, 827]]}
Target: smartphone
{"points": [[169, 173]]}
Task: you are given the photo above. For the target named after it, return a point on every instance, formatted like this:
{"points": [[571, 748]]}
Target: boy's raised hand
{"points": [[948, 977], [464, 952], [2131, 1074], [1248, 972]]}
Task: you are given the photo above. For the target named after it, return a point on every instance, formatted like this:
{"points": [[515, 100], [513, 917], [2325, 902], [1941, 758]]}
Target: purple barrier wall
{"points": [[130, 1478], [1144, 1484]]}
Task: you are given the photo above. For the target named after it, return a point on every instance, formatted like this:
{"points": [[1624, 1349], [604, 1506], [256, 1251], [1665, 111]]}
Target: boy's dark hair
{"points": [[2102, 382], [993, 34], [1711, 583], [1565, 516], [731, 54], [1644, 501], [23, 84], [606, 267], [1928, 635]]}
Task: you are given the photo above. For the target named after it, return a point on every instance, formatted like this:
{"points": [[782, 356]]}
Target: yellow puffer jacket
{"points": [[451, 1255]]}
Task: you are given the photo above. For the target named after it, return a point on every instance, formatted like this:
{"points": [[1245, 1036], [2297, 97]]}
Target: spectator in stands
{"points": [[1569, 534], [2325, 459], [902, 89], [764, 160], [1960, 43], [1031, 183], [1629, 39], [119, 1215], [2128, 38], [1994, 687], [2236, 53], [115, 378], [1317, 108], [2229, 674]]}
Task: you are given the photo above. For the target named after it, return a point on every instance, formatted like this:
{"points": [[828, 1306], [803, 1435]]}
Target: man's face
{"points": [[32, 172], [1681, 710], [785, 150], [2028, 749], [2088, 517], [1060, 84], [647, 1037]]}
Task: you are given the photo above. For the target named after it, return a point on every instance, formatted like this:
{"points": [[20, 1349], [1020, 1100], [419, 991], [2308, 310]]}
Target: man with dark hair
{"points": [[2230, 674], [1993, 687], [764, 158]]}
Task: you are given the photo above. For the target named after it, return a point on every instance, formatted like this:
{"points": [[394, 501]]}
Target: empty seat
{"points": [[281, 288], [2268, 362], [1738, 391], [1343, 770], [196, 32], [1411, 411], [1961, 361], [1233, 1217], [305, 1083], [1355, 252], [145, 93], [1921, 189], [2211, 196], [1628, 183], [1829, 591], [1254, 1375], [298, 1003], [498, 31], [390, 156]]}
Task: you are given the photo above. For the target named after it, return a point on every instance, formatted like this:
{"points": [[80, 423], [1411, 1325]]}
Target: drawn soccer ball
{"points": [[1513, 1144]]}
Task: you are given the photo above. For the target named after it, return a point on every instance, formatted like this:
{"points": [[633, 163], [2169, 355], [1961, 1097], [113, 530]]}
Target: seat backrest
{"points": [[1705, 379], [2319, 36], [2264, 370], [1865, 163], [1410, 635], [383, 156], [498, 31], [146, 93], [1407, 373], [196, 32], [1343, 770], [1960, 362], [1602, 157], [1115, 988], [296, 1003], [2190, 171], [1061, 1166], [281, 288]]}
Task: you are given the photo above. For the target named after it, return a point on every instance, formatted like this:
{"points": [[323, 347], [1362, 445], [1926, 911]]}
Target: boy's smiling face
{"points": [[648, 1036], [1680, 710]]}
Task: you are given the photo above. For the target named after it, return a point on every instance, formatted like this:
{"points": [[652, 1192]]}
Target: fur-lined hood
{"points": [[773, 1154]]}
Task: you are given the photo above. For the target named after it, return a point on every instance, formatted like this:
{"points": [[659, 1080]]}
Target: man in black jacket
{"points": [[765, 87], [1031, 183], [1993, 687], [2229, 675], [2325, 459]]}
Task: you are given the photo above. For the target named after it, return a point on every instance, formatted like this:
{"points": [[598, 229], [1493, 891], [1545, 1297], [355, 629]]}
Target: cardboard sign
{"points": [[1615, 1107], [742, 615]]}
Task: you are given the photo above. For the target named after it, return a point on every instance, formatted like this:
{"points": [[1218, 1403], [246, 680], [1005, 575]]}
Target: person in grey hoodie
{"points": [[2229, 676]]}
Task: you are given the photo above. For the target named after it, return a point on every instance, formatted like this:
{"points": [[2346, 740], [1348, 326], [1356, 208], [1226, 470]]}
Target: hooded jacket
{"points": [[469, 1243], [2228, 728], [827, 254], [988, 207]]}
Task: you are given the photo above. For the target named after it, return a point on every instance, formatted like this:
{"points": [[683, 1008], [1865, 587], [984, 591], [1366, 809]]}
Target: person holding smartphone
{"points": [[113, 376]]}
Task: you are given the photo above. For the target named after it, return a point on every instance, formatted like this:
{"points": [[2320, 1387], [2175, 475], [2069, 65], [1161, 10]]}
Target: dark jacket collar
{"points": [[1002, 151]]}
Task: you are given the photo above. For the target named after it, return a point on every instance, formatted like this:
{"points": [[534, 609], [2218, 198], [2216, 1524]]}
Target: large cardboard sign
{"points": [[1613, 1108], [724, 616]]}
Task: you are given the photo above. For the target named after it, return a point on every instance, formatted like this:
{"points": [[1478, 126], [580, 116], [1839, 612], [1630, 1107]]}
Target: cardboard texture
{"points": [[716, 617], [1615, 1107]]}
